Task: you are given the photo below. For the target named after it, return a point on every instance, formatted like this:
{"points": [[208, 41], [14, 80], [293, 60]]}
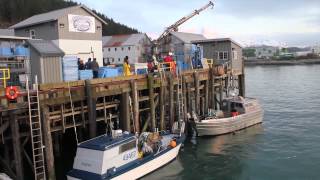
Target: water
{"points": [[285, 146]]}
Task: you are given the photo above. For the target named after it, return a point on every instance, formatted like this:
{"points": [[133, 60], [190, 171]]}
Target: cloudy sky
{"points": [[273, 22]]}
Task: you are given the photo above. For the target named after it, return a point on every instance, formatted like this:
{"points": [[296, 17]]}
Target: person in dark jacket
{"points": [[88, 64], [95, 68], [81, 65]]}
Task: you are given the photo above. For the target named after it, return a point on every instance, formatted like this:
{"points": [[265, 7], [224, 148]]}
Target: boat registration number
{"points": [[129, 155]]}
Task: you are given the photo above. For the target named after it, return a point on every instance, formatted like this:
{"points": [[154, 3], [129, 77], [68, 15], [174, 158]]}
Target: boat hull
{"points": [[214, 127], [146, 167]]}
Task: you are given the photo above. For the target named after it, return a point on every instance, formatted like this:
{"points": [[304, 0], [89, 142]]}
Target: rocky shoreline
{"points": [[281, 62]]}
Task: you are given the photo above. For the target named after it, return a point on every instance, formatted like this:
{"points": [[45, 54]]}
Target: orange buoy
{"points": [[173, 143], [218, 70], [12, 92]]}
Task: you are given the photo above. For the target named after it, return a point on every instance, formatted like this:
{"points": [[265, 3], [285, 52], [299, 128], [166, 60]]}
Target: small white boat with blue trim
{"points": [[236, 113], [125, 156]]}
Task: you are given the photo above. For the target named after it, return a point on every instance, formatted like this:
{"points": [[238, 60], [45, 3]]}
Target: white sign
{"points": [[78, 23]]}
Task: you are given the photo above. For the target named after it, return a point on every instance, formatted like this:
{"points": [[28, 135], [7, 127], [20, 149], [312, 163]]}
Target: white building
{"points": [[316, 50], [136, 46], [75, 30], [265, 52]]}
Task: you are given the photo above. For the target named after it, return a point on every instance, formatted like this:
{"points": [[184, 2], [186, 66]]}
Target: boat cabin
{"points": [[104, 154], [238, 105]]}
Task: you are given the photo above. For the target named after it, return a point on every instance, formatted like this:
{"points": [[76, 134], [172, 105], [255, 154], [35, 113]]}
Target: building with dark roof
{"points": [[136, 46], [75, 30]]}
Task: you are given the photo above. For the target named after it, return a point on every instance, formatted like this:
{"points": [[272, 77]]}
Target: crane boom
{"points": [[174, 27]]}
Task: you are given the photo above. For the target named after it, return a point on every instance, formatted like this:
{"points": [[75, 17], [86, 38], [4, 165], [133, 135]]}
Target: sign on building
{"points": [[78, 23]]}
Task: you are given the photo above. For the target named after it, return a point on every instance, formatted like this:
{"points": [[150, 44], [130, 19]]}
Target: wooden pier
{"points": [[136, 103]]}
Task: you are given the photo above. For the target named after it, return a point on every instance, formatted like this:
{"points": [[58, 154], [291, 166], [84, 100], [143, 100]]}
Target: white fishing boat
{"points": [[236, 113], [125, 156]]}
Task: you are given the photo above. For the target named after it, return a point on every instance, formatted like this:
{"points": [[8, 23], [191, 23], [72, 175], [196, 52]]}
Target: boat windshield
{"points": [[127, 146]]}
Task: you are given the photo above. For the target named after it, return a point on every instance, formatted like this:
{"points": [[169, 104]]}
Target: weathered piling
{"points": [[91, 104], [17, 152]]}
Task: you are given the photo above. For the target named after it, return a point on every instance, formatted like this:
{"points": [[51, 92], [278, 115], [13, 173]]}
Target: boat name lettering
{"points": [[129, 155]]}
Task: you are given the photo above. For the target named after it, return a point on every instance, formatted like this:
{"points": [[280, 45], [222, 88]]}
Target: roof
{"points": [[188, 37], [45, 47], [123, 40], [51, 16], [105, 142], [6, 32], [216, 40]]}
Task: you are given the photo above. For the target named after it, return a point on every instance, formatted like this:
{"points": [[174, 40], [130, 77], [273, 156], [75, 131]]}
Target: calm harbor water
{"points": [[285, 146]]}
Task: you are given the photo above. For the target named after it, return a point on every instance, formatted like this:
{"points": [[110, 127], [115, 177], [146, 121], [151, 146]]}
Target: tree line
{"points": [[13, 11]]}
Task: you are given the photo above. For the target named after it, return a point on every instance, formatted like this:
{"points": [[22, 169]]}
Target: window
{"points": [[112, 60], [115, 49], [234, 55], [122, 49], [129, 48], [223, 55], [269, 51], [32, 34], [119, 59], [127, 146], [109, 49]]}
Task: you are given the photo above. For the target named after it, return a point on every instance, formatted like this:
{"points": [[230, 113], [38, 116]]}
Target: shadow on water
{"points": [[211, 157]]}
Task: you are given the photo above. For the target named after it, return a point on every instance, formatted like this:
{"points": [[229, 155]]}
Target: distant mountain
{"points": [[297, 49], [13, 11]]}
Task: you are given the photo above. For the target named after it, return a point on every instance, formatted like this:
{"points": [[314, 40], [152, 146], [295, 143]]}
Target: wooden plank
{"points": [[242, 86], [151, 101], [206, 97], [125, 112], [50, 86], [48, 143], [135, 105], [17, 152], [91, 103], [212, 90], [171, 100], [197, 92], [162, 106]]}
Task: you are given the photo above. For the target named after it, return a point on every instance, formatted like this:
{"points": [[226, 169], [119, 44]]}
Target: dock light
{"points": [[61, 25]]}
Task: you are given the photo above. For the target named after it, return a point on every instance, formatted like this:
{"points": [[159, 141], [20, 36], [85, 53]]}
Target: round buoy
{"points": [[12, 92], [173, 143]]}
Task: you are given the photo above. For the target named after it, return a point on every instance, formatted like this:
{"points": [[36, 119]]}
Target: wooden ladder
{"points": [[36, 132]]}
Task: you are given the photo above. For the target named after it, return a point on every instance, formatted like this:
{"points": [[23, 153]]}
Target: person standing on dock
{"points": [[126, 67], [95, 68], [88, 64], [81, 65]]}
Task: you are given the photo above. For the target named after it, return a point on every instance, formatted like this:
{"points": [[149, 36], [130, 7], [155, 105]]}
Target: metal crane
{"points": [[174, 27]]}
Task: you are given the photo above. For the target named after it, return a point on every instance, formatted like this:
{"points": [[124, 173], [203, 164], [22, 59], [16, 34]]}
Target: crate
{"points": [[70, 68], [85, 74], [21, 51], [105, 72], [6, 52]]}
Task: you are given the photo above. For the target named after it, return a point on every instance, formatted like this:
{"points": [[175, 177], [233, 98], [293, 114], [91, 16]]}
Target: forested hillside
{"points": [[13, 11]]}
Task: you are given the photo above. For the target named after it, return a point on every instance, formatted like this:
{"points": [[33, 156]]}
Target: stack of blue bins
{"points": [[105, 72], [5, 52], [70, 68], [85, 74], [21, 51]]}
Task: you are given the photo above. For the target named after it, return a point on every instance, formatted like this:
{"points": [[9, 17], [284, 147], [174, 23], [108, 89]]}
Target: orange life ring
{"points": [[12, 92]]}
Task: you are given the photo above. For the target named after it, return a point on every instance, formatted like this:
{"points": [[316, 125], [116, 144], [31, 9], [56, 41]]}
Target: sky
{"points": [[250, 22]]}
